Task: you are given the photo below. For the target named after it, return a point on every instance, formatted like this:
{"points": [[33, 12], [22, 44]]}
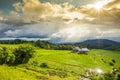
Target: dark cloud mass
{"points": [[59, 20]]}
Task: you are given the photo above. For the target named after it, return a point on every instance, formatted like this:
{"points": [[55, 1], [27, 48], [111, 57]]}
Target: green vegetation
{"points": [[57, 64], [15, 56], [23, 54], [6, 56], [91, 44], [48, 45]]}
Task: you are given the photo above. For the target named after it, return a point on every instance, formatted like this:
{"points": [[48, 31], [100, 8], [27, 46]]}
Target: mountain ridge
{"points": [[100, 44]]}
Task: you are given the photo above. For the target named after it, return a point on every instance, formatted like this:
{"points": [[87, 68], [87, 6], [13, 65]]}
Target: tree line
{"points": [[40, 44]]}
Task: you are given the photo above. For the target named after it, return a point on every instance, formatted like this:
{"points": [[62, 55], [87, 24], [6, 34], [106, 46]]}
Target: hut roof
{"points": [[84, 49], [80, 49]]}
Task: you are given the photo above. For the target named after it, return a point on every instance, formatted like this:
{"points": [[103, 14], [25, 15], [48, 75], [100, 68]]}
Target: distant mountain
{"points": [[100, 44]]}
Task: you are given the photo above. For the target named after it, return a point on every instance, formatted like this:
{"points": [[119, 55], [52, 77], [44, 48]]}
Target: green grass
{"points": [[64, 61], [14, 45], [20, 73], [16, 73]]}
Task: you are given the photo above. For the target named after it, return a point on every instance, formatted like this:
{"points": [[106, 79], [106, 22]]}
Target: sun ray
{"points": [[99, 5]]}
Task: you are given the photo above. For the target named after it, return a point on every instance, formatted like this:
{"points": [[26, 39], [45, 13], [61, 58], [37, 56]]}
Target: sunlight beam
{"points": [[99, 4]]}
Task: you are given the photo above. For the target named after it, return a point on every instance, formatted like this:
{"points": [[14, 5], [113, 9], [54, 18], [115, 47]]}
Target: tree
{"points": [[17, 41]]}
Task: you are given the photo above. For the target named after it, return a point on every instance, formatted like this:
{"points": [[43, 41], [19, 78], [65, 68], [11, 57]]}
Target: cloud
{"points": [[1, 16], [113, 4], [106, 15], [40, 30], [36, 11], [69, 23], [25, 38], [12, 33], [15, 19], [78, 33]]}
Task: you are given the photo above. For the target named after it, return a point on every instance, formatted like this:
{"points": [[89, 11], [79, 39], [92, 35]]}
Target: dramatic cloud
{"points": [[77, 33], [65, 21], [36, 11]]}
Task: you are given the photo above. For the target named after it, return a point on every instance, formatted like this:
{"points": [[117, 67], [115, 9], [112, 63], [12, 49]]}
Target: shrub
{"points": [[23, 54], [17, 56], [6, 56], [118, 76], [111, 64], [44, 65], [35, 63], [113, 61]]}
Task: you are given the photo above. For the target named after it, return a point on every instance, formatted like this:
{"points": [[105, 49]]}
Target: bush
{"points": [[35, 63], [18, 56], [113, 61], [23, 54], [44, 65], [6, 56], [118, 76], [111, 64]]}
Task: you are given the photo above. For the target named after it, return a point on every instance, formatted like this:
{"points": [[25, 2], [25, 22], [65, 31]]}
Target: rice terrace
{"points": [[54, 64], [59, 39]]}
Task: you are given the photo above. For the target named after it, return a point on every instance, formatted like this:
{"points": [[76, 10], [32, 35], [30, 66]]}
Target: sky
{"points": [[60, 20]]}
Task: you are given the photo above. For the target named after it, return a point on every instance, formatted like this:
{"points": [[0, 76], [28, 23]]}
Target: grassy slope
{"points": [[16, 73], [11, 46], [65, 60], [71, 63]]}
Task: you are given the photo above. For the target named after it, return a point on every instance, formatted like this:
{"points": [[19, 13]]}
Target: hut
{"points": [[80, 50]]}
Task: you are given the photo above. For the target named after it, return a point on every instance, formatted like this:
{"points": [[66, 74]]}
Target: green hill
{"points": [[60, 64]]}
